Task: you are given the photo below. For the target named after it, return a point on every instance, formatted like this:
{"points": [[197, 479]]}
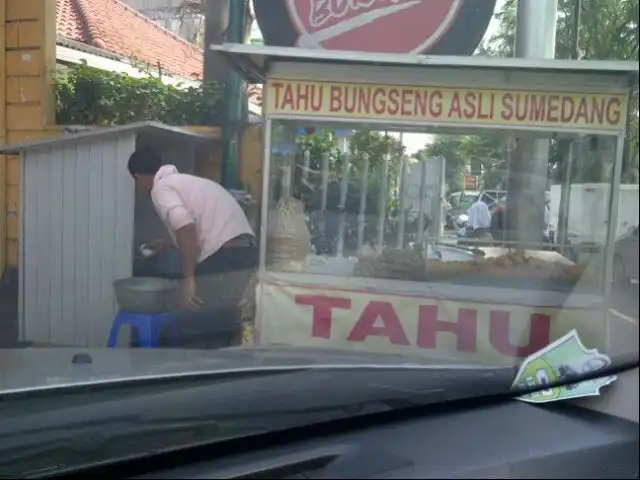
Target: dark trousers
{"points": [[221, 280], [229, 259], [167, 263]]}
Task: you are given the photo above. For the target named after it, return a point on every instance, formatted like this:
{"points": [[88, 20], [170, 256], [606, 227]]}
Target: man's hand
{"points": [[190, 299], [158, 244]]}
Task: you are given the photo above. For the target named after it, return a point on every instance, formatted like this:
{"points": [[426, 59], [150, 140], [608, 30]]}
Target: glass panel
{"points": [[580, 202], [347, 201]]}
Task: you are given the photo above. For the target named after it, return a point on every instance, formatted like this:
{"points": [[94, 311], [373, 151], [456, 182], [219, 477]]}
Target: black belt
{"points": [[245, 240]]}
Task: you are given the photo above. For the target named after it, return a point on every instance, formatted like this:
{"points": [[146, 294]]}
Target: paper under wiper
{"points": [[562, 360]]}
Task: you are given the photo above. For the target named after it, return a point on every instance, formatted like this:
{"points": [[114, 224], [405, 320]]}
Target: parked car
{"points": [[625, 260]]}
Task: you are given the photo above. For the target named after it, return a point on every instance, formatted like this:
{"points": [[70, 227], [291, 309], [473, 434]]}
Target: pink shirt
{"points": [[181, 199]]}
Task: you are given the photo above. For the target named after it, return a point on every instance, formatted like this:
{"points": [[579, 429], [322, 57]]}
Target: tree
{"points": [[321, 144], [450, 148], [609, 31], [462, 151], [216, 14], [89, 96], [307, 184], [375, 144]]}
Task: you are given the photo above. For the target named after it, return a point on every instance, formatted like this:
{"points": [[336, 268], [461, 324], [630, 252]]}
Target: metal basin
{"points": [[145, 294]]}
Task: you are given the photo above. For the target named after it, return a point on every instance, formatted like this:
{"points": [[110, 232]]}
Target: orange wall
{"points": [[27, 100]]}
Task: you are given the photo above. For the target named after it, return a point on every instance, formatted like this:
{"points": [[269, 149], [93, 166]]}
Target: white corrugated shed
{"points": [[77, 214]]}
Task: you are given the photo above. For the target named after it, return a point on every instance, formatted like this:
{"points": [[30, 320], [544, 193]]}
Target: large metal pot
{"points": [[145, 294]]}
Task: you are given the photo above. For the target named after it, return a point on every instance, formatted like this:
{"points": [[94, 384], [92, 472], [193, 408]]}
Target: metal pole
{"points": [[402, 202], [235, 100], [565, 198], [440, 223], [536, 28], [422, 195], [344, 185], [324, 192], [363, 200], [307, 165], [265, 201], [382, 206], [568, 147], [612, 225], [527, 184], [575, 32], [287, 177]]}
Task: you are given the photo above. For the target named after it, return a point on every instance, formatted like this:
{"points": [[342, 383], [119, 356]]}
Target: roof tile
{"points": [[113, 26]]}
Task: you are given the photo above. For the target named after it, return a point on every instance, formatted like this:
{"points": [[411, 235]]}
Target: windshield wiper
{"points": [[622, 363]]}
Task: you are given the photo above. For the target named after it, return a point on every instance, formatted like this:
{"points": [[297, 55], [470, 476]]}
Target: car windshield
{"points": [[468, 199], [178, 216]]}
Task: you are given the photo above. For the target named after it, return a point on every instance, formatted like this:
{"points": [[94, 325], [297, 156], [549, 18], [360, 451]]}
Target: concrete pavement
{"points": [[625, 300]]}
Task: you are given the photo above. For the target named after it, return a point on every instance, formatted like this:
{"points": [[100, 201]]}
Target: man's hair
{"points": [[144, 161]]}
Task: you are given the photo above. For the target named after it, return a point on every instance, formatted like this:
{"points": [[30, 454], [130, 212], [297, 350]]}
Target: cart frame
{"points": [[260, 64]]}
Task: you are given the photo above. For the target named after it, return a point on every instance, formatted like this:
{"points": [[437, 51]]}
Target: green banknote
{"points": [[564, 359]]}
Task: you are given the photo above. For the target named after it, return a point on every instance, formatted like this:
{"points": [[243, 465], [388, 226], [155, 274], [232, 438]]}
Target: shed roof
{"points": [[164, 133], [253, 61]]}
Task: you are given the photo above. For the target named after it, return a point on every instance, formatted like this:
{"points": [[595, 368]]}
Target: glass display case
{"points": [[350, 201], [360, 247]]}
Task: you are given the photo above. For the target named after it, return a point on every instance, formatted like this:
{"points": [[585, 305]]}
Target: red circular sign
{"points": [[384, 26], [437, 27]]}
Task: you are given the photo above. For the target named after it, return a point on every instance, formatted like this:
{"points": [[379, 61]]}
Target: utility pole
{"points": [[528, 176], [216, 28], [569, 149], [235, 100]]}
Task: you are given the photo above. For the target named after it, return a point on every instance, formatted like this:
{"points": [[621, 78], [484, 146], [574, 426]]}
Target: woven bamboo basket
{"points": [[288, 240]]}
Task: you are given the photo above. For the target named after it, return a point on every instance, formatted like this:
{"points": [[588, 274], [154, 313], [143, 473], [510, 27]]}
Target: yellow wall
{"points": [[27, 99], [209, 159], [251, 152], [27, 110]]}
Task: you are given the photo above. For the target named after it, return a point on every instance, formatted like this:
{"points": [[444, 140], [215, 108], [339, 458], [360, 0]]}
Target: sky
{"points": [[413, 141], [416, 141]]}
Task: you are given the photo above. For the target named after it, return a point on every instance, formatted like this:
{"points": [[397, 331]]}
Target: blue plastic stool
{"points": [[147, 325]]}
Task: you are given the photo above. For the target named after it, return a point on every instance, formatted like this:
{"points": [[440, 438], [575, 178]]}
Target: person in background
{"points": [[498, 220], [204, 221], [479, 218], [549, 234], [446, 208]]}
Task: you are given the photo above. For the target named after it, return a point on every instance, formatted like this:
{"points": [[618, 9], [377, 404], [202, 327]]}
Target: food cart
{"points": [[497, 305]]}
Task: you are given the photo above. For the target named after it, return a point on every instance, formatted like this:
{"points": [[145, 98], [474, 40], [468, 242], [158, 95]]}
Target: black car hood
{"points": [[61, 408], [37, 368]]}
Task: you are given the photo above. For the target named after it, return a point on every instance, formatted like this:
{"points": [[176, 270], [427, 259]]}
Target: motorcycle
{"points": [[468, 238], [456, 220]]}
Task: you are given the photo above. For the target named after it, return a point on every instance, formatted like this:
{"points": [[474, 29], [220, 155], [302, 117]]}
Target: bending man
{"points": [[204, 221]]}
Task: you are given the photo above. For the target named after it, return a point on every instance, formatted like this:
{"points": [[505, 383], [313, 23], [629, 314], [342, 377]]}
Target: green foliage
{"points": [[503, 42], [460, 151], [88, 96], [609, 31], [322, 143], [376, 145], [361, 142]]}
